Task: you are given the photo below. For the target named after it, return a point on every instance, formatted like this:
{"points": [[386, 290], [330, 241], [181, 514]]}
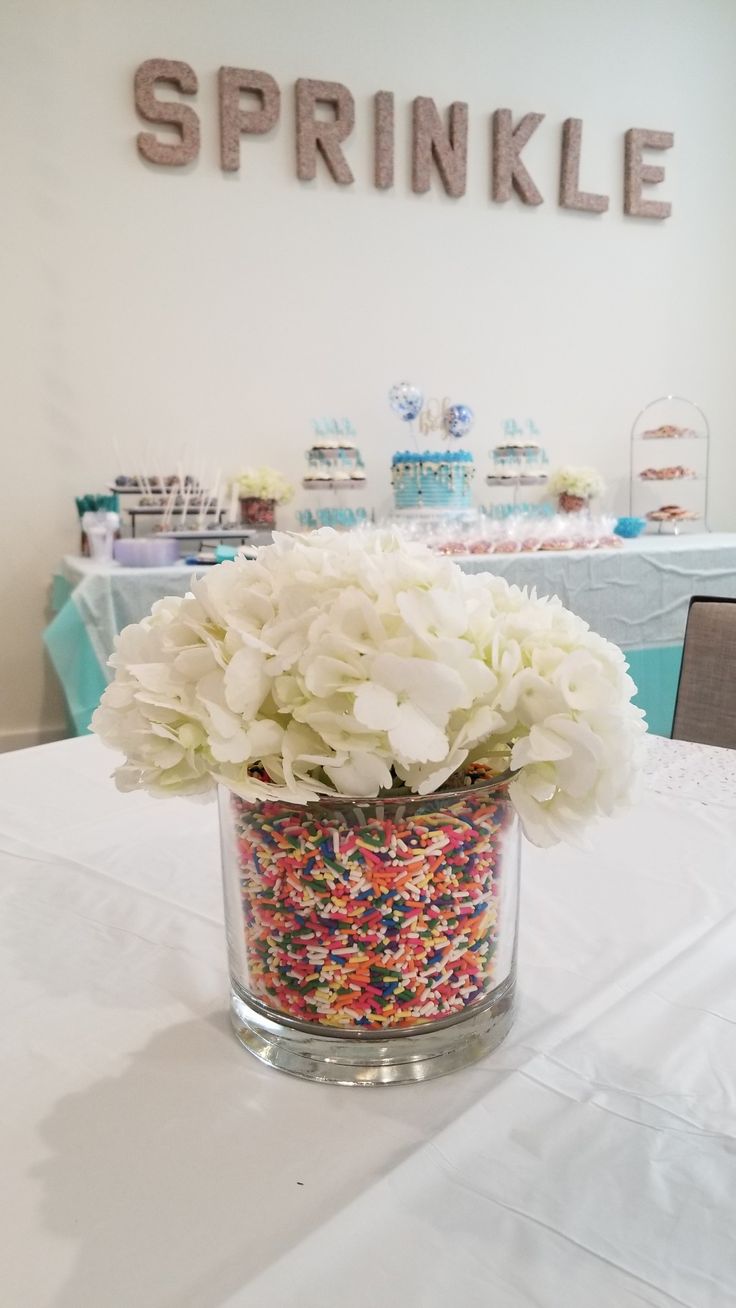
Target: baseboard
{"points": [[29, 736]]}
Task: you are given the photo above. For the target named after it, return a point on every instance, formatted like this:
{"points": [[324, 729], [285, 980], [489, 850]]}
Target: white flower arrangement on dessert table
{"points": [[584, 483], [361, 665], [264, 484]]}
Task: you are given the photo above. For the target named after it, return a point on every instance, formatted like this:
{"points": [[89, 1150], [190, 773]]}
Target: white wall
{"points": [[188, 307]]}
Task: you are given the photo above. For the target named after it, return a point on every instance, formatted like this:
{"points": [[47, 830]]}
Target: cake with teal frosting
{"points": [[440, 481]]}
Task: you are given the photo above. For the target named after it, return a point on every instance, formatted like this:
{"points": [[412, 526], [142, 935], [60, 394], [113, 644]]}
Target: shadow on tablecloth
{"points": [[197, 1168]]}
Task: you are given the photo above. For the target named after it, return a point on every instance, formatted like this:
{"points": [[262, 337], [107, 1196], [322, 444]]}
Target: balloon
{"points": [[406, 400], [458, 420]]}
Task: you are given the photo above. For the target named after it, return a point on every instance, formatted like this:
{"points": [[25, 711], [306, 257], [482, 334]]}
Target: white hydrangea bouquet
{"points": [[360, 665], [583, 483], [264, 484]]}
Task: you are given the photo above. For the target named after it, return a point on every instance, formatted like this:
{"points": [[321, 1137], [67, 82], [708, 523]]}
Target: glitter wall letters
{"points": [[313, 134], [508, 172], [235, 120], [447, 147], [325, 118], [571, 197], [383, 140], [184, 78], [636, 172]]}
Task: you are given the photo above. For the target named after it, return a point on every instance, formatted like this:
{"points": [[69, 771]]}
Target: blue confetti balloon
{"points": [[406, 400], [458, 420]]}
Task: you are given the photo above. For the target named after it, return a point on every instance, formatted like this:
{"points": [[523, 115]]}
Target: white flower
{"points": [[264, 484], [356, 664], [411, 699], [585, 482]]}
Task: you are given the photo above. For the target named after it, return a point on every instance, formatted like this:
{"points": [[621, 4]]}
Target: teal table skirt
{"points": [[656, 673], [75, 661], [83, 677]]}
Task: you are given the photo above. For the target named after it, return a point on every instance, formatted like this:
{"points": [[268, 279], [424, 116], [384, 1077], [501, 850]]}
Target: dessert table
{"points": [[92, 602], [636, 595], [149, 1161]]}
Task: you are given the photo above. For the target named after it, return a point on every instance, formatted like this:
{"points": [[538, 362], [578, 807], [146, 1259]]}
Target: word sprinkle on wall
{"points": [[324, 118]]}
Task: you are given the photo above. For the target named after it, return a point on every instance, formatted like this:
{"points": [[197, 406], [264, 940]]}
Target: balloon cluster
{"points": [[407, 402]]}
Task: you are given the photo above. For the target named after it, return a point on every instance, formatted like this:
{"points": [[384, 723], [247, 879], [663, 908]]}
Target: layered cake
{"points": [[333, 465], [440, 481]]}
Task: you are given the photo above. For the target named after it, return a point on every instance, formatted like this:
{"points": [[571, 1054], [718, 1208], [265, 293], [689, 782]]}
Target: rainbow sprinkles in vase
{"points": [[379, 917]]}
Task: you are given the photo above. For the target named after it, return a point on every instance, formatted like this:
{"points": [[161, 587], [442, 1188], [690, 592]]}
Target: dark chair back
{"points": [[705, 710]]}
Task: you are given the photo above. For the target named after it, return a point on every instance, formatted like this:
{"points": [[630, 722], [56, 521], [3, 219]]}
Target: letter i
{"points": [[383, 137]]}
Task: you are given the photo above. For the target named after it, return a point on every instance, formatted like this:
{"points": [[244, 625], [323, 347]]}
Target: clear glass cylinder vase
{"points": [[569, 503], [257, 512], [372, 942]]}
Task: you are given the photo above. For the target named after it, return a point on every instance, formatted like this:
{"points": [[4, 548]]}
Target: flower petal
{"points": [[375, 706], [415, 739], [362, 774], [246, 683]]}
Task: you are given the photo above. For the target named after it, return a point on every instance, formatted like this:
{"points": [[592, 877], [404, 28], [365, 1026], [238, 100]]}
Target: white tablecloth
{"points": [[149, 1162]]}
